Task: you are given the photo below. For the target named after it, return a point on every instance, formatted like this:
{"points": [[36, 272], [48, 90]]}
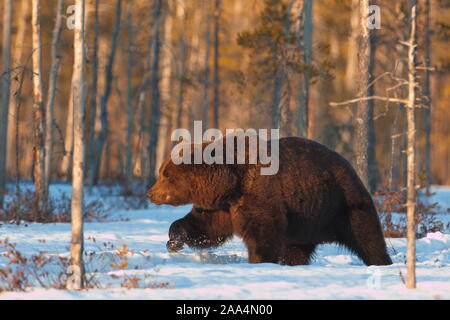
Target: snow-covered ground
{"points": [[131, 248]]}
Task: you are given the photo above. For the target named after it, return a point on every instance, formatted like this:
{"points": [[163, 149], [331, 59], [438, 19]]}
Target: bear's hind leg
{"points": [[360, 231], [295, 255]]}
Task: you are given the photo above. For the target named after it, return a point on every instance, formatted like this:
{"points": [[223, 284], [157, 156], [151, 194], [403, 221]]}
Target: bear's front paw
{"points": [[174, 245]]}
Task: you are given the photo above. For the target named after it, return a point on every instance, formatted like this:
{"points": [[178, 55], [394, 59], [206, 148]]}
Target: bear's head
{"points": [[208, 186]]}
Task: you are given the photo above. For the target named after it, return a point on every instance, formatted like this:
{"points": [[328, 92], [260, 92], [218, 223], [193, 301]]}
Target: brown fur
{"points": [[316, 197]]}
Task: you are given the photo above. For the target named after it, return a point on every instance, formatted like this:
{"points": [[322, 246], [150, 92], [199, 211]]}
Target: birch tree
{"points": [[427, 95], [130, 109], [94, 85], [181, 16], [155, 102], [5, 93], [217, 9], [206, 65], [303, 117], [49, 110], [361, 141], [411, 147], [18, 53], [352, 53], [76, 281], [38, 109]]}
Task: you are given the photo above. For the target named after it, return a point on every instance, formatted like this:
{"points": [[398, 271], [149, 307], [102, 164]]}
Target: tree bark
{"points": [[307, 60], [217, 10], [411, 148], [427, 96], [352, 54], [206, 65], [164, 144], [181, 15], [79, 92], [155, 102], [49, 110], [5, 94], [94, 87], [38, 109], [372, 173], [361, 141], [130, 109], [18, 50]]}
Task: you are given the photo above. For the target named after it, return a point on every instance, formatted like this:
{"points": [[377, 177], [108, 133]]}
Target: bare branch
{"points": [[335, 104]]}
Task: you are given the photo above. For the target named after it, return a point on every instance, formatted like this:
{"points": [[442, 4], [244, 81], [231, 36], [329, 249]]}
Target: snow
{"points": [[222, 273]]}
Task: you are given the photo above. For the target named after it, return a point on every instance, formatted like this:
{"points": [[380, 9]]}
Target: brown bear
{"points": [[315, 197]]}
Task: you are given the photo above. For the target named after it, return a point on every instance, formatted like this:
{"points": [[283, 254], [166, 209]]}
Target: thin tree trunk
{"points": [[303, 127], [181, 14], [217, 10], [411, 160], [206, 64], [276, 104], [39, 111], [79, 95], [49, 111], [130, 109], [352, 54], [103, 134], [361, 142], [5, 93], [371, 157], [142, 164], [19, 44], [166, 86], [94, 88], [155, 103], [427, 96], [194, 59]]}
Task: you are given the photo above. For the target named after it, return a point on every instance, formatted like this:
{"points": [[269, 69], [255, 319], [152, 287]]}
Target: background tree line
{"points": [[152, 66]]}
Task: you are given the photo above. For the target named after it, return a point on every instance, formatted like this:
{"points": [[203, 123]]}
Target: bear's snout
{"points": [[156, 196]]}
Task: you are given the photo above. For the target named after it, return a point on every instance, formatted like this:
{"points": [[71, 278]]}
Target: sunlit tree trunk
{"points": [[79, 92], [49, 110], [155, 102], [361, 141], [38, 109], [217, 10], [352, 53], [166, 85], [130, 109], [4, 94], [372, 173], [307, 60], [18, 53], [206, 65], [427, 95], [94, 88], [181, 16], [411, 148]]}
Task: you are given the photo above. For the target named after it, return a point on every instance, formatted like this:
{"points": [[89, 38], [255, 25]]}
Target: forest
{"points": [[91, 90]]}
